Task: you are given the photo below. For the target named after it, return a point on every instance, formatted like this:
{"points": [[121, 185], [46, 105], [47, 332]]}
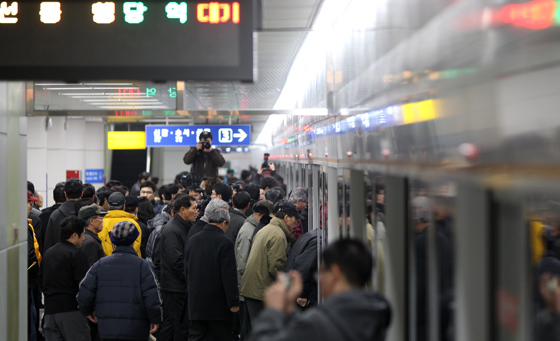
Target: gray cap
{"points": [[89, 211], [116, 199]]}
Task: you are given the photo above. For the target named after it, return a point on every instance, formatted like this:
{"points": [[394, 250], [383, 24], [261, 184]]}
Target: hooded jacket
{"points": [[355, 315], [267, 256], [109, 221]]}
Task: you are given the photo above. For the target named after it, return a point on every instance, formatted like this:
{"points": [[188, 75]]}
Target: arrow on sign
{"points": [[241, 135]]}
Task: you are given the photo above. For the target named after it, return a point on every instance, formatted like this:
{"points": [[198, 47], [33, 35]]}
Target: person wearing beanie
{"points": [[109, 294], [118, 213]]}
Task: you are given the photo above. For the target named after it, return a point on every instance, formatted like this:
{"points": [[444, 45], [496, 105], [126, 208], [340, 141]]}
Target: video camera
{"points": [[205, 135], [265, 164]]}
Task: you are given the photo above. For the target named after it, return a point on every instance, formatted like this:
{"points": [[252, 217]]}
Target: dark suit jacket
{"points": [[211, 274], [52, 235]]}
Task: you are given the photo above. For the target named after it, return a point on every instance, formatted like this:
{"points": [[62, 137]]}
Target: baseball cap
{"points": [[124, 233], [290, 209], [89, 211], [30, 197], [116, 199]]}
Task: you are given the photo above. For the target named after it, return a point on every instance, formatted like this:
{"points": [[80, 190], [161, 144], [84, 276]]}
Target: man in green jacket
{"points": [[268, 255]]}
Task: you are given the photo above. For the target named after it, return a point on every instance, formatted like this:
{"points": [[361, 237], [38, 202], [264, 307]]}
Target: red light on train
{"points": [[536, 15], [129, 92], [215, 13]]}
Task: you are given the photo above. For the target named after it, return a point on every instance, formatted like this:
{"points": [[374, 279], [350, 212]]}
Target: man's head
{"points": [[72, 230], [124, 233], [219, 217], [195, 191], [73, 189], [262, 208], [58, 193], [30, 187], [89, 191], [268, 183], [148, 190], [102, 195], [171, 191], [185, 207], [215, 204], [144, 176], [92, 215], [246, 176], [39, 197], [298, 197], [30, 200], [274, 195], [205, 136], [116, 201], [131, 204], [287, 211], [347, 265], [241, 201], [253, 190], [230, 173], [222, 191]]}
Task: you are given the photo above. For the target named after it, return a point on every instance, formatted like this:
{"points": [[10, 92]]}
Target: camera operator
{"points": [[205, 160], [267, 169]]}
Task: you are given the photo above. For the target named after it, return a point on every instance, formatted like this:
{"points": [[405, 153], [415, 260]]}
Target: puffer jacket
{"points": [[267, 256], [109, 221], [122, 292]]}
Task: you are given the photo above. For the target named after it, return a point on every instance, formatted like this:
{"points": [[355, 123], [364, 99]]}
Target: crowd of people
{"points": [[198, 259]]}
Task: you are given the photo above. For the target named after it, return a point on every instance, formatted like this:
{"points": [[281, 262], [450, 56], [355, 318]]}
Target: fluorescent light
{"points": [[113, 88], [108, 84], [68, 88]]}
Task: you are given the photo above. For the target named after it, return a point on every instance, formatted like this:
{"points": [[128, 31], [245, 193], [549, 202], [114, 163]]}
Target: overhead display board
{"points": [[187, 135], [104, 95], [150, 40]]}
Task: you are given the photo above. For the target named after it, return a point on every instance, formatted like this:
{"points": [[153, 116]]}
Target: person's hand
{"points": [[281, 297], [199, 145], [153, 328], [208, 150], [259, 171], [92, 317], [234, 309], [302, 302], [550, 291]]}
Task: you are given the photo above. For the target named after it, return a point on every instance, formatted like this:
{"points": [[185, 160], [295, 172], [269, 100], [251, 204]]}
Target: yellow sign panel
{"points": [[126, 140]]}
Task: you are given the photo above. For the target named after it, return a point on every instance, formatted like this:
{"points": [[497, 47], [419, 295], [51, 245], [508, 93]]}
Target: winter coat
{"points": [[211, 275], [92, 247], [236, 220], [351, 316], [45, 216], [113, 217], [122, 291], [243, 245], [303, 258], [196, 227], [152, 247], [172, 248], [204, 163], [52, 233], [267, 257], [62, 269]]}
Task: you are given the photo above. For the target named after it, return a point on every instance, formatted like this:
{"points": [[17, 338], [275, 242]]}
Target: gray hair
{"points": [[299, 193], [215, 204], [116, 208], [218, 216], [89, 220]]}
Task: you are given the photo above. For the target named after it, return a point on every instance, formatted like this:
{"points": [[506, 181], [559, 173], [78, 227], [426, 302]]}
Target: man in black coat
{"points": [[303, 258], [92, 215], [211, 274], [59, 199], [173, 286], [63, 267], [241, 202], [72, 191]]}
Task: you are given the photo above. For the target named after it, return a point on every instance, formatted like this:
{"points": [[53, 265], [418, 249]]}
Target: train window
{"points": [[431, 206], [375, 228]]}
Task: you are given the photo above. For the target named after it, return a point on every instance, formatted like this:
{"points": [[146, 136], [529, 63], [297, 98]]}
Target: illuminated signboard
{"points": [[149, 40], [104, 96], [177, 136]]}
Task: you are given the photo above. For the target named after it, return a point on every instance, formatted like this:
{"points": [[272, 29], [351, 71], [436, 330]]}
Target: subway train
{"points": [[424, 128]]}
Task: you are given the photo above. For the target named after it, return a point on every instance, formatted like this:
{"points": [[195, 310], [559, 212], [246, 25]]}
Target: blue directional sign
{"points": [[95, 176], [175, 136]]}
